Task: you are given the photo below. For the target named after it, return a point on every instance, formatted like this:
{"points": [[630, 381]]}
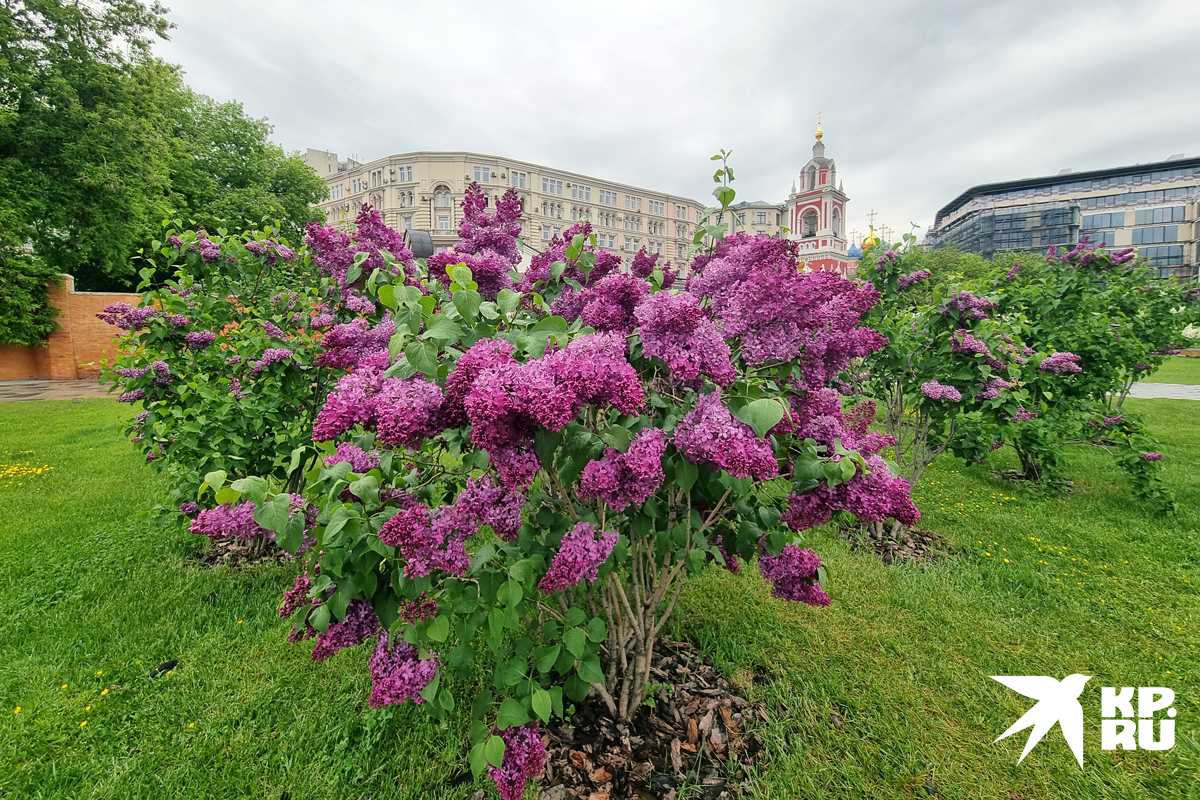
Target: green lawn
{"points": [[1177, 369], [1091, 584]]}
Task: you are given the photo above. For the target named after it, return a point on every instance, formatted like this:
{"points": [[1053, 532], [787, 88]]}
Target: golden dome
{"points": [[871, 241], [820, 133]]}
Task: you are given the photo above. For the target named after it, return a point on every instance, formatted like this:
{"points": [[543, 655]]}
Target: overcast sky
{"points": [[921, 99]]}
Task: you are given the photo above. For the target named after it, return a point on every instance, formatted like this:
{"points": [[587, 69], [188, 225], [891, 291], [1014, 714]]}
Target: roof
{"points": [[1051, 180]]}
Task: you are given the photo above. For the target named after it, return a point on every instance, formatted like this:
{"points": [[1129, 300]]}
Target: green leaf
{"points": [[512, 714], [685, 474], [442, 328], [507, 300], [545, 444], [478, 759], [494, 749], [366, 489], [541, 704], [617, 437], [762, 415], [252, 488], [439, 629], [387, 296], [461, 274], [589, 669], [576, 616], [597, 631], [228, 495], [554, 324], [577, 688], [808, 468], [215, 480], [546, 661], [576, 641], [467, 301], [420, 356]]}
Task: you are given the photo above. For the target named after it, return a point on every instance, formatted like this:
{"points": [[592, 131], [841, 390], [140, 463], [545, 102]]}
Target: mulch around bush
{"points": [[696, 740], [235, 553], [912, 545]]}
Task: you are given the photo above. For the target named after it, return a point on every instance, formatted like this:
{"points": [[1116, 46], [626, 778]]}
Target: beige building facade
{"points": [[424, 191]]}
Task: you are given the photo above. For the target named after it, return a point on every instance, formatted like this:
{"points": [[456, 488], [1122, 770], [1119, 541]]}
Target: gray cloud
{"points": [[921, 99]]}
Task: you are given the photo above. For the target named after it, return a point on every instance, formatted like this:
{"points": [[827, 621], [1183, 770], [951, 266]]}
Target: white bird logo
{"points": [[1058, 701]]}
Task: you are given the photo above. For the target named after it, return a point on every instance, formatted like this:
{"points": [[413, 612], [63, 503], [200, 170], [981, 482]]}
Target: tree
{"points": [[84, 132], [227, 173]]}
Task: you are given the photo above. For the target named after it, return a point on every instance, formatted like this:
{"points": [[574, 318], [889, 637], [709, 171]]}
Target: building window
{"points": [[633, 203], [356, 185], [1153, 216], [631, 244], [699, 215], [1166, 233], [442, 196], [581, 192], [657, 207], [1163, 256], [681, 212], [404, 174], [443, 223], [1112, 220], [483, 175], [1102, 238], [517, 179], [408, 223], [546, 232], [551, 186], [762, 218], [336, 191], [808, 223]]}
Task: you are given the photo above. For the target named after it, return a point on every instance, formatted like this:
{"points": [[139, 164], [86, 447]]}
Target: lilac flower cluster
{"points": [[126, 317], [272, 355], [991, 389], [178, 320], [940, 391], [539, 266], [297, 597], [487, 243], [199, 340], [508, 401], [584, 548], [708, 435], [1061, 362], [189, 509], [1012, 273], [1150, 456], [524, 758], [779, 313], [132, 396], [360, 460], [629, 478], [229, 521], [793, 575], [333, 251], [346, 345], [483, 355], [408, 411], [359, 624], [963, 342], [967, 306], [418, 610], [1023, 415], [270, 250], [489, 504], [610, 304], [674, 329], [273, 330], [872, 497], [905, 281], [235, 388], [398, 673]]}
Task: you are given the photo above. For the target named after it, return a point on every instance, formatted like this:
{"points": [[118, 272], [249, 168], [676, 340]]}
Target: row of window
{"points": [[1163, 256], [336, 191], [518, 179], [608, 198], [1102, 238], [1138, 198], [634, 203], [405, 175], [658, 207], [1068, 187], [1165, 233], [1154, 216], [483, 174], [551, 186], [1112, 220]]}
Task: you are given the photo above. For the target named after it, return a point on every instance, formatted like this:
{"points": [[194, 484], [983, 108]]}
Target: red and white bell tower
{"points": [[817, 214]]}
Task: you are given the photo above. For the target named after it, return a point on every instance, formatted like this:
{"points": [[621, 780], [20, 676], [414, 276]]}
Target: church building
{"points": [[816, 213]]}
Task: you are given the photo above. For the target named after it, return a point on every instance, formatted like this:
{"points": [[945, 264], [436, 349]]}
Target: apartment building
{"points": [[424, 191]]}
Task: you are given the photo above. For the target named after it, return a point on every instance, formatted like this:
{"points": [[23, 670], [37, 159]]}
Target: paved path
{"points": [[51, 390], [1165, 391]]}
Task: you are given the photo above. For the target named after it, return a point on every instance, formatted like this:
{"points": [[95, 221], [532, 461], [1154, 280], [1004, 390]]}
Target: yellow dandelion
{"points": [[87, 708], [18, 711], [987, 554], [83, 724], [191, 724], [1006, 561], [64, 686], [99, 672], [104, 693], [239, 622]]}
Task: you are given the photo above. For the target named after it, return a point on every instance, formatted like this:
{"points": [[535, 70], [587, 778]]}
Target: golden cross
{"points": [[819, 119], [871, 217]]}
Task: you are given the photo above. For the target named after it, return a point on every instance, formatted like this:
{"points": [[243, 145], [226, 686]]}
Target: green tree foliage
{"points": [[25, 315], [100, 141], [227, 173]]}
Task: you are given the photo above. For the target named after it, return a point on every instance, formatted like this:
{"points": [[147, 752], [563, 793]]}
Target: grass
{"points": [[1177, 369], [94, 598]]}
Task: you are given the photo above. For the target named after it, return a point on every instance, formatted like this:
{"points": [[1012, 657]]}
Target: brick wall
{"points": [[76, 346]]}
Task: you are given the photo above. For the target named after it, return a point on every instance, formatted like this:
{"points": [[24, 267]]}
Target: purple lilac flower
{"points": [[360, 460], [487, 243], [673, 328], [126, 317], [348, 344], [709, 435], [1150, 456], [188, 509], [873, 496], [644, 264], [939, 391], [1022, 415], [1140, 367], [1061, 362], [352, 402], [610, 304], [418, 610], [398, 673], [524, 758], [793, 575], [483, 355], [408, 411], [629, 478], [321, 321], [1123, 255], [908, 280], [489, 504], [272, 355], [963, 342], [333, 251], [235, 388], [539, 267], [132, 397], [298, 596], [991, 389], [777, 312], [359, 624], [229, 521], [968, 306], [1012, 273], [199, 340], [584, 548], [132, 372]]}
